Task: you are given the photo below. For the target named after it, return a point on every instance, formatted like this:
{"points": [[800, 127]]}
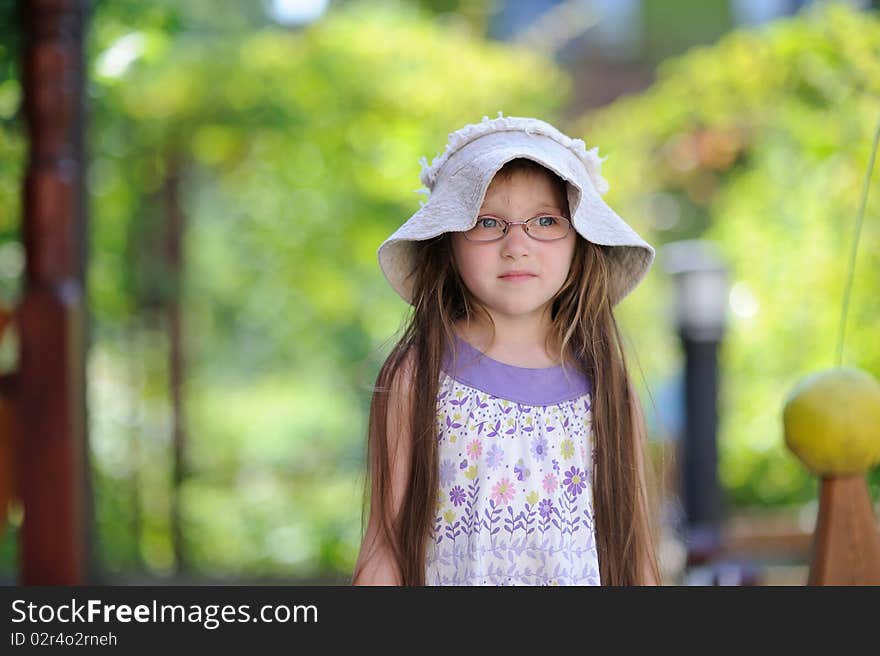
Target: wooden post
{"points": [[51, 316], [173, 235], [846, 547]]}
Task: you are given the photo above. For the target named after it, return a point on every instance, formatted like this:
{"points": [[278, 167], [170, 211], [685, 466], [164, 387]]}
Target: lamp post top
{"points": [[701, 292]]}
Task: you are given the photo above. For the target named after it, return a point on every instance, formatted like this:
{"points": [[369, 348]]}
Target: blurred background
{"points": [[277, 143]]}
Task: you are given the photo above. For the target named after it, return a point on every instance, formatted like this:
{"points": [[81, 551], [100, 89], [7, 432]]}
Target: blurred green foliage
{"points": [[760, 143], [11, 160], [673, 26], [296, 153]]}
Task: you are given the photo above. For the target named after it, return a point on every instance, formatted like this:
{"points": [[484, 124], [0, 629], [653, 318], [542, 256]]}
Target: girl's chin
{"points": [[517, 310]]}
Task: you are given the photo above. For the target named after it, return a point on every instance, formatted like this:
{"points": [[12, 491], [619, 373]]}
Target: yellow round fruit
{"points": [[832, 421]]}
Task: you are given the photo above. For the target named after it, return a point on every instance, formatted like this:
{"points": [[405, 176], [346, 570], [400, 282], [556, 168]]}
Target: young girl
{"points": [[505, 439]]}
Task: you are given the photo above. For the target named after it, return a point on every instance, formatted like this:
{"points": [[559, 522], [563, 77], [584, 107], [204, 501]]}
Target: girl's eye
{"points": [[482, 223], [546, 221]]}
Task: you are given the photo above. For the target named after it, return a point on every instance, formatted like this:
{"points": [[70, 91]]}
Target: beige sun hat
{"points": [[457, 180]]}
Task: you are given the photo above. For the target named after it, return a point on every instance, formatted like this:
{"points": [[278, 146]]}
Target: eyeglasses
{"points": [[544, 227]]}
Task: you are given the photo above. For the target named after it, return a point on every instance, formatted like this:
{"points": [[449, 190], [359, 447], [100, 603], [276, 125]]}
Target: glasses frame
{"points": [[525, 226]]}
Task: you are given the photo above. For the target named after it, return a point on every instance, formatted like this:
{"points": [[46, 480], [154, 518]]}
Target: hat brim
{"points": [[457, 196]]}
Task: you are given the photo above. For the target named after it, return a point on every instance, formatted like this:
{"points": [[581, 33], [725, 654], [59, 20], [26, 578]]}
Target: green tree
{"points": [[296, 153], [759, 143]]}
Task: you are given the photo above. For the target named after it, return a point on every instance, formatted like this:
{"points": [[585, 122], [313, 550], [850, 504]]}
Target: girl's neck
{"points": [[520, 348]]}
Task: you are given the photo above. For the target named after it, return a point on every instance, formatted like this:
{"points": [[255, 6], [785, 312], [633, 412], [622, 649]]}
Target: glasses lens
{"points": [[548, 227], [486, 229]]}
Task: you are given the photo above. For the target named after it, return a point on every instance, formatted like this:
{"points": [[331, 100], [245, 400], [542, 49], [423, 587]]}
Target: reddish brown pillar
{"points": [[51, 317]]}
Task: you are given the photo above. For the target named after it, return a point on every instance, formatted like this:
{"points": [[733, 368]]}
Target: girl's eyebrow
{"points": [[541, 208]]}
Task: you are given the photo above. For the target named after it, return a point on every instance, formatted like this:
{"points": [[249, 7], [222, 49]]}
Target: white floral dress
{"points": [[515, 502]]}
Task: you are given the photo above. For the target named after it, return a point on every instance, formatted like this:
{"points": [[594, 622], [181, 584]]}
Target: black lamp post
{"points": [[701, 289]]}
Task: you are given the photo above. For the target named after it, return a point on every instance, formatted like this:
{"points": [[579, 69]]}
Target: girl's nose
{"points": [[516, 242]]}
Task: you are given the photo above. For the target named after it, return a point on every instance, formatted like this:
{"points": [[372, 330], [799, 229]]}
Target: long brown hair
{"points": [[585, 334]]}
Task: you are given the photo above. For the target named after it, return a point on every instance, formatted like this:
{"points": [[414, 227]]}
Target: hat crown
{"points": [[473, 131]]}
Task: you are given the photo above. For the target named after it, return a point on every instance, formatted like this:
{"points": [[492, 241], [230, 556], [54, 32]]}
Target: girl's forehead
{"points": [[524, 185], [523, 174]]}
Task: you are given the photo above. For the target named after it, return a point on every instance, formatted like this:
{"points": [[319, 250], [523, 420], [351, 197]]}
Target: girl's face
{"points": [[523, 195]]}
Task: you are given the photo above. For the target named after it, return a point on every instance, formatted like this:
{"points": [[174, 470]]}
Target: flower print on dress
{"points": [[453, 527], [566, 448], [490, 527], [574, 481], [447, 472], [453, 422], [522, 472], [503, 492], [440, 501], [456, 495], [494, 456], [539, 447]]}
